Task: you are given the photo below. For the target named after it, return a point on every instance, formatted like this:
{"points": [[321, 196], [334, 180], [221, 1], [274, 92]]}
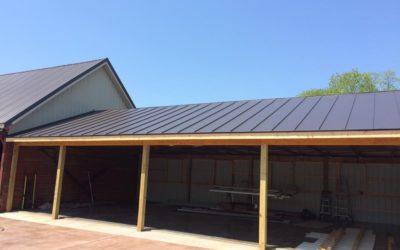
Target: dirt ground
{"points": [[16, 234]]}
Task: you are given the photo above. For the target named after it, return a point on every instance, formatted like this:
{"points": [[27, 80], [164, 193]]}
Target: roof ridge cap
{"points": [[53, 67]]}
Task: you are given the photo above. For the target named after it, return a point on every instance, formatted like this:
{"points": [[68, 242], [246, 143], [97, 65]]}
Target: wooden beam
{"points": [[338, 138], [332, 240], [59, 179], [11, 183], [143, 187], [263, 203], [358, 239]]}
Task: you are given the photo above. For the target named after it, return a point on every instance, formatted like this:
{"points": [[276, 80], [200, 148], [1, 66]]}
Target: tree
{"points": [[357, 82]]}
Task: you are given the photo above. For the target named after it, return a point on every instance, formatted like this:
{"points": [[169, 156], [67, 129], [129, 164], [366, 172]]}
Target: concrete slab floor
{"points": [[165, 224], [128, 230], [16, 234]]}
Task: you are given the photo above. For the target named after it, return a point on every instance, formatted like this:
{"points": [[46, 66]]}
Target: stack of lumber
{"points": [[340, 239]]}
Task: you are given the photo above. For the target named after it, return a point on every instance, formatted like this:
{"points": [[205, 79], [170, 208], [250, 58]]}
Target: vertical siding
{"points": [[374, 188], [95, 92]]}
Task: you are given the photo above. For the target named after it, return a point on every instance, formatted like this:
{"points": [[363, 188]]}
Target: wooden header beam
{"points": [[342, 138]]}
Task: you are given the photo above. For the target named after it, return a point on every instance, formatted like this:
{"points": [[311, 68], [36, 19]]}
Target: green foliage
{"points": [[357, 82]]}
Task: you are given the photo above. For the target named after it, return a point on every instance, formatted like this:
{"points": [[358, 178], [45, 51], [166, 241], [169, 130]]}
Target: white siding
{"points": [[94, 92]]}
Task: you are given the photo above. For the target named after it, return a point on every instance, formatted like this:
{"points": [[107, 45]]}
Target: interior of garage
{"points": [[212, 190]]}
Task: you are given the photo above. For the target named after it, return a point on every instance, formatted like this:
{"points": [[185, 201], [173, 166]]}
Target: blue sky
{"points": [[173, 52]]}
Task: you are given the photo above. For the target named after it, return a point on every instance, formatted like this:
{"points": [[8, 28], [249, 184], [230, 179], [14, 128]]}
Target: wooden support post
{"points": [[263, 204], [143, 187], [59, 179], [11, 183]]}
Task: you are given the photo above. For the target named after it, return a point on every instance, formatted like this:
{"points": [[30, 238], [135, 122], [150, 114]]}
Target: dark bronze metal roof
{"points": [[22, 91], [369, 111]]}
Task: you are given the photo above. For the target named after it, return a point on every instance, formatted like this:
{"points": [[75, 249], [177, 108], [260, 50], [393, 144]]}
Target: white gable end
{"points": [[94, 92]]}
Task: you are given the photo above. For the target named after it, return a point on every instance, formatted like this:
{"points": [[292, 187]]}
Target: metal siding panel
{"points": [[386, 111], [272, 121], [291, 122], [362, 115], [316, 117], [339, 114]]}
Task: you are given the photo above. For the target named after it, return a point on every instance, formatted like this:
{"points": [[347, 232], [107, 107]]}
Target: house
{"points": [[239, 159]]}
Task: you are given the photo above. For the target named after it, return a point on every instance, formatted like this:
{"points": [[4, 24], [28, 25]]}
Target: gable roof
{"points": [[351, 112], [21, 92]]}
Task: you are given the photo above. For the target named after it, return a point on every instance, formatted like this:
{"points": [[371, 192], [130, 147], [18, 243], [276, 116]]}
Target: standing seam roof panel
{"points": [[216, 107], [123, 125], [132, 115], [259, 117], [244, 116], [386, 117], [316, 117], [272, 121], [362, 115], [190, 117], [103, 121], [213, 117], [339, 114], [21, 91], [168, 121], [291, 122], [360, 112], [222, 106], [222, 121]]}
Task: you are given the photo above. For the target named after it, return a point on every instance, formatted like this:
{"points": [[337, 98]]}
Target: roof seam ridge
{"points": [[229, 112], [252, 106], [262, 108], [309, 112], [196, 109], [162, 116], [351, 111], [52, 67], [203, 112], [215, 114], [288, 114], [329, 111], [218, 105], [273, 112]]}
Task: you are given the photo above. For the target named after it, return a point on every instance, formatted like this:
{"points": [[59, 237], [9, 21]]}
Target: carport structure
{"points": [[371, 119]]}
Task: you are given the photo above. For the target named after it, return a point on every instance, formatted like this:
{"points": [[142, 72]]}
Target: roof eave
{"points": [[327, 138]]}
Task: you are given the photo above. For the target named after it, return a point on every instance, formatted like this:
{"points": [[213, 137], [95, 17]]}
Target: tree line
{"points": [[357, 82]]}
